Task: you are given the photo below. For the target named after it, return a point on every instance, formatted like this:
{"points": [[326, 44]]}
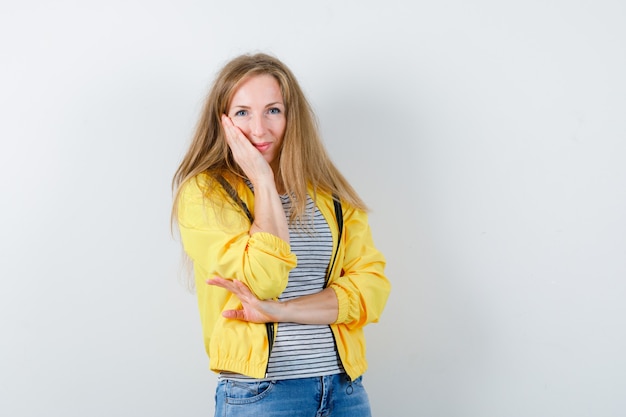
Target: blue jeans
{"points": [[326, 396]]}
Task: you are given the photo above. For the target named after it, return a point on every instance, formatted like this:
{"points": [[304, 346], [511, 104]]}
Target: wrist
{"points": [[281, 313], [264, 181]]}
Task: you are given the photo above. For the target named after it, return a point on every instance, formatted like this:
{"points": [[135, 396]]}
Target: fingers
{"points": [[233, 285], [237, 288], [235, 138], [245, 154], [229, 128], [234, 314], [227, 284], [218, 282]]}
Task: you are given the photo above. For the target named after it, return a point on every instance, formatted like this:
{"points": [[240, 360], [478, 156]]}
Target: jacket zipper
{"points": [[269, 327], [339, 218]]}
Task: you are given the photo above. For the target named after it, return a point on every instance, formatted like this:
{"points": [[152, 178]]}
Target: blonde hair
{"points": [[303, 160]]}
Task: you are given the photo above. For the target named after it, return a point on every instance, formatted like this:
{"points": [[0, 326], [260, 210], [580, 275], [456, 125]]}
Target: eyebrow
{"points": [[241, 106]]}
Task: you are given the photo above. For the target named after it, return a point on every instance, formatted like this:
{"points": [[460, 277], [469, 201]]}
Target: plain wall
{"points": [[489, 139]]}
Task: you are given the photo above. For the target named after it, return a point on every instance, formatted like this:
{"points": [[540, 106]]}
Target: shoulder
{"points": [[200, 190], [197, 185], [211, 186]]}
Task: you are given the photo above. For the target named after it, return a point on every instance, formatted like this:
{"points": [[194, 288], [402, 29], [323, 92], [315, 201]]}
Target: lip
{"points": [[262, 147]]}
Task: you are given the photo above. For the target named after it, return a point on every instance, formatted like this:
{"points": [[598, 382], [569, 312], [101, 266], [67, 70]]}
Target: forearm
{"points": [[320, 308], [269, 215]]}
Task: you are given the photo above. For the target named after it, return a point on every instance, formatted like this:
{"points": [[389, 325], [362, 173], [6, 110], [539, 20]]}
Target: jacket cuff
{"points": [[270, 243], [343, 304]]}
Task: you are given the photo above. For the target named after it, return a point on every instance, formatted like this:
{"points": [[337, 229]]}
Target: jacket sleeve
{"points": [[362, 289], [215, 235]]}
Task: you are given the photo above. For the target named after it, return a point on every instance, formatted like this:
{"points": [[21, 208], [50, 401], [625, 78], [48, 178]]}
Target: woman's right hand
{"points": [[245, 154], [253, 310], [269, 215]]}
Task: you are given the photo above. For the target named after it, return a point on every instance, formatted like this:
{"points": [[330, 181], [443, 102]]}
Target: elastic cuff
{"points": [[270, 242], [343, 304]]}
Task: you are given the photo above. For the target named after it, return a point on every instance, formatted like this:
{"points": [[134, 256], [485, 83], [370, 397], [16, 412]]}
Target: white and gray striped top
{"points": [[302, 350]]}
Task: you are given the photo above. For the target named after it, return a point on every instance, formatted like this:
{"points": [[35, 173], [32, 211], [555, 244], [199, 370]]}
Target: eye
{"points": [[274, 110], [241, 113]]}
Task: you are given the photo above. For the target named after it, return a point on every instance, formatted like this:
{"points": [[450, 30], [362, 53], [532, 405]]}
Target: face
{"points": [[257, 109]]}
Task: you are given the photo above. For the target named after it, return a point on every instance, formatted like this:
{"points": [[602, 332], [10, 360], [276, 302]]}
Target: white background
{"points": [[488, 137]]}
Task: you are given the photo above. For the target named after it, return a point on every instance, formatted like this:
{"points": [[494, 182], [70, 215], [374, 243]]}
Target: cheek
{"points": [[278, 127]]}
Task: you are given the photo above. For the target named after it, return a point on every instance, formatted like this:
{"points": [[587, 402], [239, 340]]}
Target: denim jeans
{"points": [[326, 396]]}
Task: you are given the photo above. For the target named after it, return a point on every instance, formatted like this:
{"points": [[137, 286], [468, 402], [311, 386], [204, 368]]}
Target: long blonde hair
{"points": [[303, 158]]}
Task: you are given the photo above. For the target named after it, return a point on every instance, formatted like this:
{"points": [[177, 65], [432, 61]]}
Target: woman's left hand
{"points": [[253, 310]]}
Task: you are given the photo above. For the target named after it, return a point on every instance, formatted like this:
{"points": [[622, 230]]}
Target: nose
{"points": [[258, 126]]}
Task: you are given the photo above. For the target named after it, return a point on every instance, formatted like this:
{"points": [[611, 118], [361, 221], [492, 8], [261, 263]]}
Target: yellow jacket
{"points": [[214, 232]]}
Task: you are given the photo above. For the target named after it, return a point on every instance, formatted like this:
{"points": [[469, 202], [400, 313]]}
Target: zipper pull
{"points": [[349, 388]]}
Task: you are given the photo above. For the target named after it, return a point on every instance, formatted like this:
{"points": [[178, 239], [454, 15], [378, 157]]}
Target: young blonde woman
{"points": [[285, 268]]}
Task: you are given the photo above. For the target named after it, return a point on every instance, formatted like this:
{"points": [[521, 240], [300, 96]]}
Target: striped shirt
{"points": [[304, 350]]}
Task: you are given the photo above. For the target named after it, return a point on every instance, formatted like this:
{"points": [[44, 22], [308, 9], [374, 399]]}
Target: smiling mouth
{"points": [[262, 146]]}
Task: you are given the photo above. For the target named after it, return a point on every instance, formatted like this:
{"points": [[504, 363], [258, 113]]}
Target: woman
{"points": [[285, 268]]}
